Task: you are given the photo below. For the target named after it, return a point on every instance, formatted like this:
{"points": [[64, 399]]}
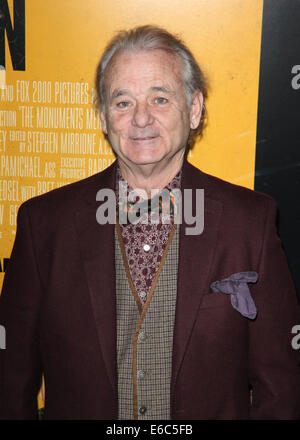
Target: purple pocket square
{"points": [[236, 286]]}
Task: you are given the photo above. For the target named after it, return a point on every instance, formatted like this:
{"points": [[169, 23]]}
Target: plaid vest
{"points": [[145, 336]]}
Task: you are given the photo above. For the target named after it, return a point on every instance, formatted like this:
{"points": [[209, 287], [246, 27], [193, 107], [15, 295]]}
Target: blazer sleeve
{"points": [[274, 372], [20, 366]]}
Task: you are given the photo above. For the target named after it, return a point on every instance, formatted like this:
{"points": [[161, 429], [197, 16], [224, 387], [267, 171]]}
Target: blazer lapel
{"points": [[196, 253], [97, 253]]}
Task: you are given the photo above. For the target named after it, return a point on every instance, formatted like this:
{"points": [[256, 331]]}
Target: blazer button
{"points": [[142, 337], [141, 374], [142, 410]]}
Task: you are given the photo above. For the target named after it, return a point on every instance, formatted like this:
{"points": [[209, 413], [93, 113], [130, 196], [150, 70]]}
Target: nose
{"points": [[142, 115]]}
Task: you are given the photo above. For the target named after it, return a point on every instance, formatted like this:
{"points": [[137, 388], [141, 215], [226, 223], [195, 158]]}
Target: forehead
{"points": [[142, 69]]}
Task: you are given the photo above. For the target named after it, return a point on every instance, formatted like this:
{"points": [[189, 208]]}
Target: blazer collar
{"points": [[196, 255], [97, 253]]}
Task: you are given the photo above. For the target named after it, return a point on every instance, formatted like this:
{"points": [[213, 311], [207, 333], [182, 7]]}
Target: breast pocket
{"points": [[215, 300]]}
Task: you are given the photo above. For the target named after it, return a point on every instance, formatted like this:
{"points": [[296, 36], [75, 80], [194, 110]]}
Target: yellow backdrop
{"points": [[52, 136]]}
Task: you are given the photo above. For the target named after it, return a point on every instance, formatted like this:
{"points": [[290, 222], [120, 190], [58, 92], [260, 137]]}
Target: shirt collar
{"points": [[175, 183]]}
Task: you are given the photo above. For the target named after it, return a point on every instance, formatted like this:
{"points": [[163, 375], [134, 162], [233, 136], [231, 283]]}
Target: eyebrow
{"points": [[160, 89], [123, 92], [118, 93]]}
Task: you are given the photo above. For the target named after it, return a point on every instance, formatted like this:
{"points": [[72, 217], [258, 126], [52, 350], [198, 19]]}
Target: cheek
{"points": [[172, 122], [118, 124]]}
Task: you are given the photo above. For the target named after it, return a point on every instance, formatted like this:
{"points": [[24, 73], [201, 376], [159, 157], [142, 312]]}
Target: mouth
{"points": [[143, 138]]}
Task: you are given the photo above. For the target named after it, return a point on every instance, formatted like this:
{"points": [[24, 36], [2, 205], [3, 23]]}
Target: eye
{"points": [[123, 104], [160, 100]]}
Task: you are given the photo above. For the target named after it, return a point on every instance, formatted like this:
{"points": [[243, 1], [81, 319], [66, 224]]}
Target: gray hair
{"points": [[149, 38]]}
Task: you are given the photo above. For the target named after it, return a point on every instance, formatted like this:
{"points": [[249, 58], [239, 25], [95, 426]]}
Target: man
{"points": [[141, 319]]}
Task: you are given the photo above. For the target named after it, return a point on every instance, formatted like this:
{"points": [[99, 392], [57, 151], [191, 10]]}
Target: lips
{"points": [[144, 138]]}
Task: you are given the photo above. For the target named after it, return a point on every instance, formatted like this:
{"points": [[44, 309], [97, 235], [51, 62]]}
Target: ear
{"points": [[103, 122], [196, 109]]}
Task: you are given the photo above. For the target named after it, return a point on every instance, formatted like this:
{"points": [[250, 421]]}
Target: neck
{"points": [[150, 176]]}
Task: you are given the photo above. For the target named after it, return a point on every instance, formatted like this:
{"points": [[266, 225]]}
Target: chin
{"points": [[144, 159]]}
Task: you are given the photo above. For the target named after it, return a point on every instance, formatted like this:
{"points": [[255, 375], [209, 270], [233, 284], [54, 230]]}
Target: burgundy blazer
{"points": [[58, 308]]}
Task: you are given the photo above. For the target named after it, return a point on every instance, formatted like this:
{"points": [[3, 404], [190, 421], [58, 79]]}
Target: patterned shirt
{"points": [[144, 241]]}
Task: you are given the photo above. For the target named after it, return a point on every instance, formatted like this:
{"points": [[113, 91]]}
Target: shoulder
{"points": [[71, 196], [230, 194], [243, 211]]}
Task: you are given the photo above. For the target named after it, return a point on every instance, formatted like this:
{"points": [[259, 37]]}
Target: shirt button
{"points": [[146, 247], [142, 410], [142, 337], [143, 294], [141, 374]]}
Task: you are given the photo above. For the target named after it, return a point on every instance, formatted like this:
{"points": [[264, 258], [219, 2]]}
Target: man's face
{"points": [[147, 119]]}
